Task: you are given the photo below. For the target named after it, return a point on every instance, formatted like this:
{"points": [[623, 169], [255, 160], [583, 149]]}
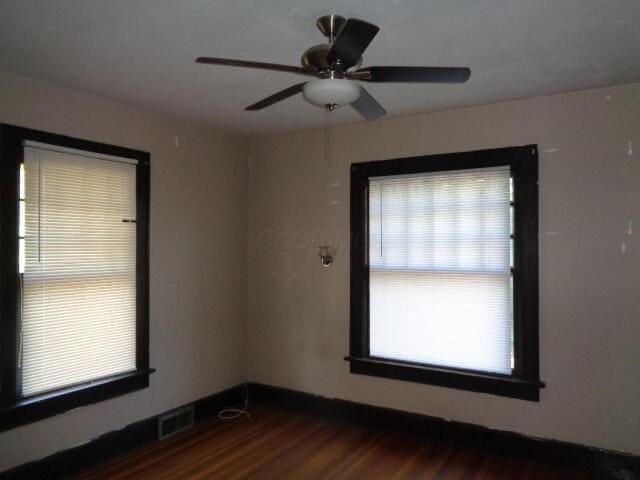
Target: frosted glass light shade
{"points": [[331, 91]]}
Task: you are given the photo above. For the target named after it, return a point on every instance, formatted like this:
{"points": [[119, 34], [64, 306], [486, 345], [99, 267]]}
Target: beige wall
{"points": [[298, 311], [589, 262], [198, 258]]}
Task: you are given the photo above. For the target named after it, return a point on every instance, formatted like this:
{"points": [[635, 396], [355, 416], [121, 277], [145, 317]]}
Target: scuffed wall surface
{"points": [[589, 261], [198, 258]]}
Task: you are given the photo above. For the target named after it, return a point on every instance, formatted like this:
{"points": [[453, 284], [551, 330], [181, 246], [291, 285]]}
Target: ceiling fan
{"points": [[337, 65]]}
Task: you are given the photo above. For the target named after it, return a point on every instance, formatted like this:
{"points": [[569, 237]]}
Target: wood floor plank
{"points": [[279, 444]]}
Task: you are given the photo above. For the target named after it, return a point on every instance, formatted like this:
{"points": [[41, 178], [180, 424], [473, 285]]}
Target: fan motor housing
{"points": [[315, 58]]}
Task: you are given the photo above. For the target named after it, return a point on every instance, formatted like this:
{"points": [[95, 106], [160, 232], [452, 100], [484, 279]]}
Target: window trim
{"points": [[525, 382], [14, 410]]}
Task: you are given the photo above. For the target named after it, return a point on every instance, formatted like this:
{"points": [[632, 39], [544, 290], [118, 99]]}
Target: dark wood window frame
{"points": [[14, 410], [524, 382]]}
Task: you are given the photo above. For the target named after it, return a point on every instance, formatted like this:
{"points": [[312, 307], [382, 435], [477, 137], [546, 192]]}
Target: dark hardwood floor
{"points": [[281, 444]]}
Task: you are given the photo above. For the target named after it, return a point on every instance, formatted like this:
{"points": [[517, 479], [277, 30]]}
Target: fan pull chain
{"points": [[328, 124]]}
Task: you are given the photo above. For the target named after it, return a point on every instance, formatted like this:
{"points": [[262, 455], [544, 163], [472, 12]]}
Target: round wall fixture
{"points": [[325, 257]]}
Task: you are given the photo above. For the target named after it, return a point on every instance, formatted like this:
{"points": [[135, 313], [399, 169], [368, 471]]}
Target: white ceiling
{"points": [[141, 52]]}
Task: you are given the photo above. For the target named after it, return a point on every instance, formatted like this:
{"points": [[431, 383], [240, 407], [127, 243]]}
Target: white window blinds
{"points": [[439, 269], [78, 259]]}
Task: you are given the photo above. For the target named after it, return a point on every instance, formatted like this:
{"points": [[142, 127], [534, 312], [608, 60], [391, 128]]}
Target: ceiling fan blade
{"points": [[354, 38], [413, 74], [367, 106], [277, 97], [230, 62]]}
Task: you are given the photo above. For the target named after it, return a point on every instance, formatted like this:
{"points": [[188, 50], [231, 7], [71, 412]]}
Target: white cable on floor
{"points": [[231, 413]]}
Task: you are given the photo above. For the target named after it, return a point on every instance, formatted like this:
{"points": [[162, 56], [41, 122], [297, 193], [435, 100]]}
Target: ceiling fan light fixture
{"points": [[331, 91], [336, 64]]}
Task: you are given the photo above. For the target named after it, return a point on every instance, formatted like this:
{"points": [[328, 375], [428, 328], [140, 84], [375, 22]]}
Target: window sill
{"points": [[500, 385], [46, 405]]}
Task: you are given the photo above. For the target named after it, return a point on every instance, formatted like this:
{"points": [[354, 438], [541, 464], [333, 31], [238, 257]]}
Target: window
{"points": [[74, 273], [444, 270]]}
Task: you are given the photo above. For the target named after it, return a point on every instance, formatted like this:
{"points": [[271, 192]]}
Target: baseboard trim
{"points": [[113, 444], [591, 461], [573, 457]]}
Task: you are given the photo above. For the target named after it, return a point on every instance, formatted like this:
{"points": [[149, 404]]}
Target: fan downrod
{"points": [[315, 57]]}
